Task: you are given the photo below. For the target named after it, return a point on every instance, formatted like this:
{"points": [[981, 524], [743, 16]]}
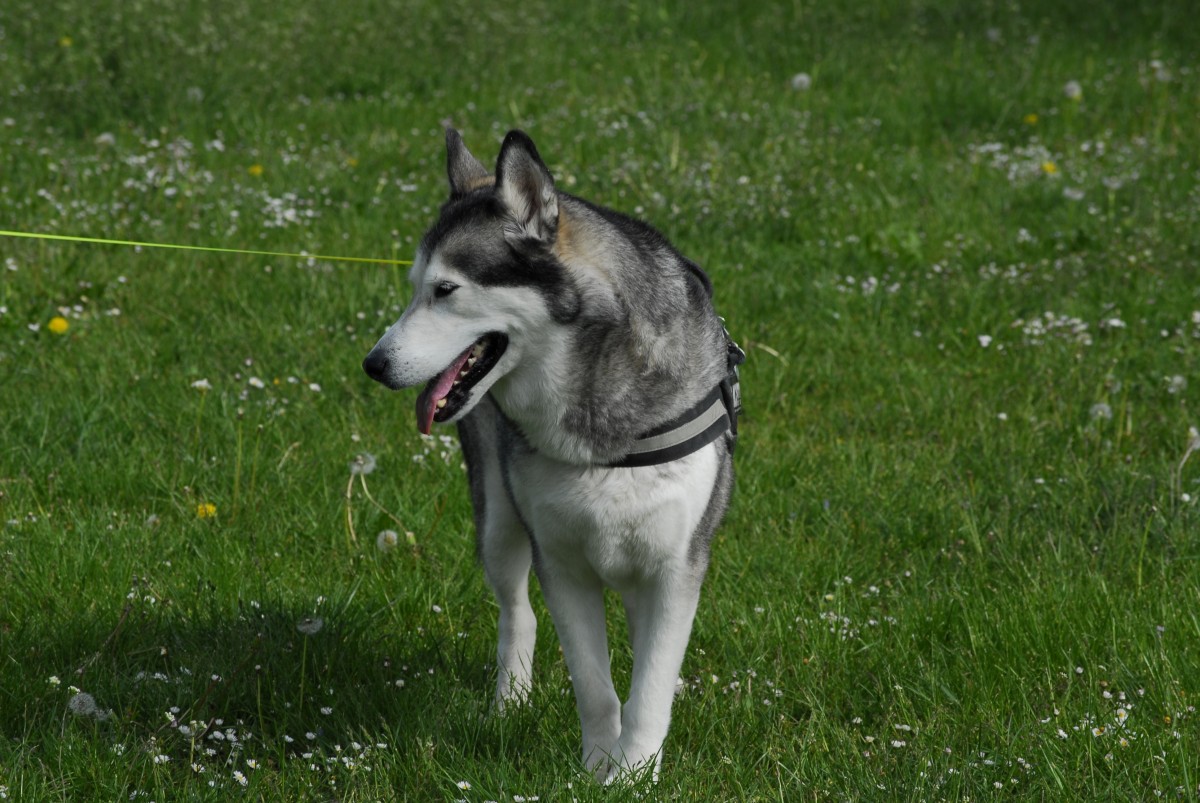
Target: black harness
{"points": [[690, 432]]}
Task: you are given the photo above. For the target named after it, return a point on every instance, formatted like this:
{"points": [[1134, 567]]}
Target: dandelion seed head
{"points": [[310, 625], [387, 540], [83, 705], [363, 463]]}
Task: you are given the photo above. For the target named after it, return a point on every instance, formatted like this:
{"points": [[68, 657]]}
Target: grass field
{"points": [[958, 240]]}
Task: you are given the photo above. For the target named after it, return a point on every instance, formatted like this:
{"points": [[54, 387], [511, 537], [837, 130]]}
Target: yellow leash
{"points": [[102, 241]]}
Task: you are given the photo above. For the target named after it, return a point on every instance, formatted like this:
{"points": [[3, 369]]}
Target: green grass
{"points": [[962, 558]]}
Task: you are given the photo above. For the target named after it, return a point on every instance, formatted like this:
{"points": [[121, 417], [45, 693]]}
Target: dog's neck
{"points": [[536, 396]]}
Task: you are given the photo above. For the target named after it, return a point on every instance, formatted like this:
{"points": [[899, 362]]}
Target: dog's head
{"points": [[485, 279]]}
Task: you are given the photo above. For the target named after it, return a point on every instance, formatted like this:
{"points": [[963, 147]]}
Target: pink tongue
{"points": [[436, 391]]}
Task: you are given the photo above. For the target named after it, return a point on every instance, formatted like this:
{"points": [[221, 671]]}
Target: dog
{"points": [[596, 396]]}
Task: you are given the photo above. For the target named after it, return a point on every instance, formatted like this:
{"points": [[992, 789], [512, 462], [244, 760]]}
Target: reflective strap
{"points": [[681, 434], [712, 417]]}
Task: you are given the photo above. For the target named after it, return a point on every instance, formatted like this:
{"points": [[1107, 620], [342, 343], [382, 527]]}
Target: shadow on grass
{"points": [[268, 684]]}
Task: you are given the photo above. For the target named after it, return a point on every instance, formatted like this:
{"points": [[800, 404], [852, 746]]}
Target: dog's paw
{"points": [[601, 769], [512, 691], [511, 699], [629, 767]]}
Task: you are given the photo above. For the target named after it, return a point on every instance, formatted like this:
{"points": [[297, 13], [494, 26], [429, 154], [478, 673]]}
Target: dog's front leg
{"points": [[506, 553], [661, 624], [575, 598]]}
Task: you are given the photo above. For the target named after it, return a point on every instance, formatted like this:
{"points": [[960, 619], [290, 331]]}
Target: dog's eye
{"points": [[444, 289]]}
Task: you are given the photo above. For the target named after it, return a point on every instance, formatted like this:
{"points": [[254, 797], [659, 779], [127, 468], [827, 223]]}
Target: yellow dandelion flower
{"points": [[206, 510], [58, 325], [66, 41], [1031, 119], [352, 162], [255, 170], [1049, 168]]}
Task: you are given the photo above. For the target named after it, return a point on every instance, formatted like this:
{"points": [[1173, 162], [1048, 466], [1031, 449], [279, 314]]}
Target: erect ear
{"points": [[465, 171], [526, 189]]}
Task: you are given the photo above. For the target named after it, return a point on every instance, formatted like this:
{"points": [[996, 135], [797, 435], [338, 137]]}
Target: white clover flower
{"points": [[985, 340]]}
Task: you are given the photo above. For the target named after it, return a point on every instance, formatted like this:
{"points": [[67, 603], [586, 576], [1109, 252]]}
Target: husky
{"points": [[596, 397]]}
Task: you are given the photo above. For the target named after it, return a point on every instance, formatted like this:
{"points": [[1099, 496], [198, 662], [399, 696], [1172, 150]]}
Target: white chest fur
{"points": [[624, 525]]}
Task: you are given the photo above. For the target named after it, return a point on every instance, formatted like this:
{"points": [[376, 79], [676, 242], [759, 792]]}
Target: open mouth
{"points": [[447, 392]]}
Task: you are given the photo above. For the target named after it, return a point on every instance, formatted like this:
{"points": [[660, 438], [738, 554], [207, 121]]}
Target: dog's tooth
{"points": [[471, 361], [441, 403]]}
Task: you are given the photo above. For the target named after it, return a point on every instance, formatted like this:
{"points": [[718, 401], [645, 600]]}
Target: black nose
{"points": [[376, 365]]}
